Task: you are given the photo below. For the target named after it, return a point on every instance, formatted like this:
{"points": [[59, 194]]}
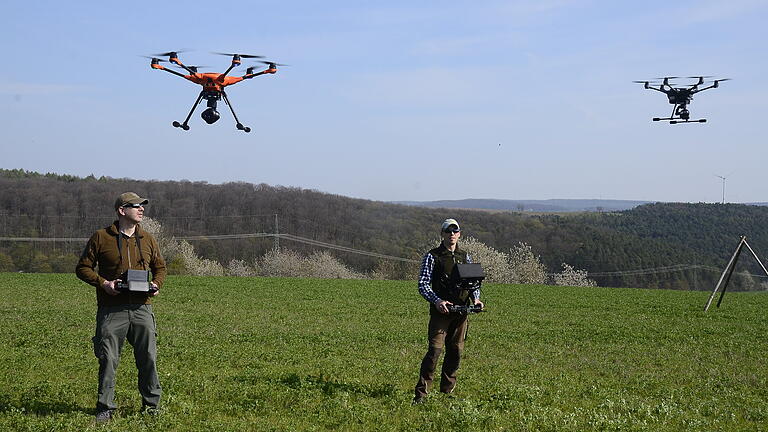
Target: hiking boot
{"points": [[417, 400], [150, 410], [104, 416]]}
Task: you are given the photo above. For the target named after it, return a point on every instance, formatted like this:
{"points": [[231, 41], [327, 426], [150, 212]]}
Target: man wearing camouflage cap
{"points": [[122, 312]]}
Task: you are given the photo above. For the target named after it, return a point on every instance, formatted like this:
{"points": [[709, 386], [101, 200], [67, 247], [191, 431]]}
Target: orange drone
{"points": [[213, 84]]}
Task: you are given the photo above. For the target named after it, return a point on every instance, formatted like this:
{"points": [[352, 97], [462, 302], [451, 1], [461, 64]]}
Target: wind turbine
{"points": [[723, 178]]}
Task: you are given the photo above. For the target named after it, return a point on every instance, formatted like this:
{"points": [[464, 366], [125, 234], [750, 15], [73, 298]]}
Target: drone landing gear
{"points": [[179, 125], [676, 120], [680, 114], [239, 125], [210, 115], [688, 121], [184, 125]]}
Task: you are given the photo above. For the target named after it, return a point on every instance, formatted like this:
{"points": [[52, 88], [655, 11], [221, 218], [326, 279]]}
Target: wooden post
{"points": [[729, 270], [756, 258], [730, 273]]}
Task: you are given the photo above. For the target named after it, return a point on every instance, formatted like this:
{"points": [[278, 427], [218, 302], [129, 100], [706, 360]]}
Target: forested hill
{"points": [[650, 236], [550, 205]]}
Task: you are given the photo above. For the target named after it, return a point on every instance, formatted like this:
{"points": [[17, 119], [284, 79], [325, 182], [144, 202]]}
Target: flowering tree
{"points": [[573, 277], [526, 268], [180, 254], [495, 263]]}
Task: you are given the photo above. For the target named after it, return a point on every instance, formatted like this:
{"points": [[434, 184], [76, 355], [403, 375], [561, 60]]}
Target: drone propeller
{"points": [[193, 68], [155, 59], [701, 76], [170, 53], [668, 78], [238, 55], [716, 83], [269, 63]]}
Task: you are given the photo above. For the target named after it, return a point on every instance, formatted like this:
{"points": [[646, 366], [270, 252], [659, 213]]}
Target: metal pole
{"points": [[722, 276]]}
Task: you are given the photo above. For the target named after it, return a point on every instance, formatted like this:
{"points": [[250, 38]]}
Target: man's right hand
{"points": [[442, 306], [109, 287]]}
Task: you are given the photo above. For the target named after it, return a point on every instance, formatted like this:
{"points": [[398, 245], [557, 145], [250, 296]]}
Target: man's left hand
{"points": [[479, 303], [156, 290]]}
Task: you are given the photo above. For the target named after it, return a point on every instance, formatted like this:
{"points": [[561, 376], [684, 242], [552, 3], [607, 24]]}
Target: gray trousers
{"points": [[115, 324]]}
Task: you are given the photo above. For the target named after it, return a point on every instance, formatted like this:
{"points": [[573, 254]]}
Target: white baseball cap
{"points": [[447, 224]]}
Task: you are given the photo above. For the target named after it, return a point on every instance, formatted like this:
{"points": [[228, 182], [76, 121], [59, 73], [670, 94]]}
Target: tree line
{"points": [[649, 236]]}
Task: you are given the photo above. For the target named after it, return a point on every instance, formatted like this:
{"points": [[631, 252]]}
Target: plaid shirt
{"points": [[425, 280]]}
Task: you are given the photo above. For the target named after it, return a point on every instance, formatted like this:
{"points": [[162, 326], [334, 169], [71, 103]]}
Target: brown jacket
{"points": [[101, 251]]}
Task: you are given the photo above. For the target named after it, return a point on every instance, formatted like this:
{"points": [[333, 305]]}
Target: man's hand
{"points": [[480, 304], [442, 306], [156, 290], [109, 287]]}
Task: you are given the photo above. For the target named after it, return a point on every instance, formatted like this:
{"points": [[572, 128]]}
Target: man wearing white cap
{"points": [[446, 329]]}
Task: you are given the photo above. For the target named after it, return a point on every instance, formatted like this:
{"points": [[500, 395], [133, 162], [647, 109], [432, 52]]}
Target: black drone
{"points": [[680, 97]]}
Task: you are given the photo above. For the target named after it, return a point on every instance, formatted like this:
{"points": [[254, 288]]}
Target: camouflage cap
{"points": [[129, 198]]}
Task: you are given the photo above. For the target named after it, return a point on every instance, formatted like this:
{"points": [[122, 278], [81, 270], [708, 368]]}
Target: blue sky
{"points": [[397, 100]]}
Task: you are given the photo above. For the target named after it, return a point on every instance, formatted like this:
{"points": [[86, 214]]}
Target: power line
{"points": [[304, 240], [666, 269], [289, 237], [224, 236], [343, 248]]}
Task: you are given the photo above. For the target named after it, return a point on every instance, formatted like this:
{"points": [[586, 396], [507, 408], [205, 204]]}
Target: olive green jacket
{"points": [[101, 251]]}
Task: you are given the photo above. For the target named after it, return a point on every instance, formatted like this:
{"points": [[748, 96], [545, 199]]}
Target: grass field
{"points": [[238, 354]]}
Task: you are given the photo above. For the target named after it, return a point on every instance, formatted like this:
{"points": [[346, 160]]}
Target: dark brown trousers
{"points": [[446, 331]]}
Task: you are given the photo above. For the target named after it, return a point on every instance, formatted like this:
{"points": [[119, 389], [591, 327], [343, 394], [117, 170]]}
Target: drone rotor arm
{"points": [[255, 74], [232, 66], [186, 68], [704, 88], [171, 71], [229, 80]]}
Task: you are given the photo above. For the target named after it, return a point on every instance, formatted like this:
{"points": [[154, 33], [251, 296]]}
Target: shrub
{"points": [[324, 265], [6, 263], [240, 268], [181, 253], [387, 269], [384, 270], [572, 277], [63, 263], [281, 263], [287, 263]]}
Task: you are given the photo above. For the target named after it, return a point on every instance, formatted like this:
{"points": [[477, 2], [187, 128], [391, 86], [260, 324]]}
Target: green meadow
{"points": [[272, 354]]}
